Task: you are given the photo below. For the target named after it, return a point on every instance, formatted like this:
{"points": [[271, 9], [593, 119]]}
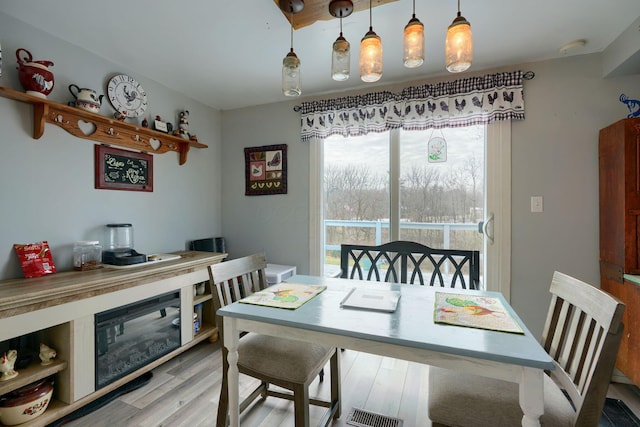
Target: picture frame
{"points": [[265, 170], [117, 169]]}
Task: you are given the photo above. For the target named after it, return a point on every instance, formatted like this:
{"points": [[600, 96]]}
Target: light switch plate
{"points": [[536, 204]]}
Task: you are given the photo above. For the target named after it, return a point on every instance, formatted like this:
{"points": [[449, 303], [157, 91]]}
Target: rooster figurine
{"points": [[46, 354], [6, 365]]}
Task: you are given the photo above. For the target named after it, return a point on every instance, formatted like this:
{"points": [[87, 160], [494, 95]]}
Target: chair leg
{"points": [[336, 395], [223, 403], [301, 405]]}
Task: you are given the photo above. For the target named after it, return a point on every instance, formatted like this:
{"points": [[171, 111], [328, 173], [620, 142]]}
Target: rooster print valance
{"points": [[464, 102]]}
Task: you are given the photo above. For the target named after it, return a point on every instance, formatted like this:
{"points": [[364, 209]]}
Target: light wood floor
{"points": [[184, 392]]}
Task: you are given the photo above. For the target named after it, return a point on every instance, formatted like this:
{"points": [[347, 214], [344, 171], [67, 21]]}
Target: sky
{"points": [[372, 149]]}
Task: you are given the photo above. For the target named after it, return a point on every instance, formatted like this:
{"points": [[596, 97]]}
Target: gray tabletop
{"points": [[411, 325]]}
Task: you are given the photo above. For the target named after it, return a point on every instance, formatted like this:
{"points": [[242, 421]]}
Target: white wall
{"points": [[276, 224], [47, 185], [554, 154]]}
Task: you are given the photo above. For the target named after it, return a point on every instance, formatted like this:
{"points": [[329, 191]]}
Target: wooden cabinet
{"points": [[619, 172], [60, 309]]}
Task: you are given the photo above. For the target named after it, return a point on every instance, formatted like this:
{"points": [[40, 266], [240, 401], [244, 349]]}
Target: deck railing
{"points": [[446, 229]]}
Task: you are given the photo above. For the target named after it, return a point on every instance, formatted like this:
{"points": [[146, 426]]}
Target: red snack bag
{"points": [[35, 259]]}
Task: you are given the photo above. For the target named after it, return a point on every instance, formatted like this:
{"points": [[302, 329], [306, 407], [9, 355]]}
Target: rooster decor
{"points": [[6, 365], [46, 354], [633, 105]]}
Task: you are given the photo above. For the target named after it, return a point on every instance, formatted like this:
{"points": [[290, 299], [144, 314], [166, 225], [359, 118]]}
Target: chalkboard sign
{"points": [[118, 169]]}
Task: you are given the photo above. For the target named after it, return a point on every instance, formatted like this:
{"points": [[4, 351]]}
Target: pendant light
{"points": [[459, 44], [370, 54], [341, 50], [413, 41], [291, 63]]}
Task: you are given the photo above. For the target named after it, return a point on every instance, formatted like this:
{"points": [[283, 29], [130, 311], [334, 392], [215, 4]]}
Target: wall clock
{"points": [[127, 95]]}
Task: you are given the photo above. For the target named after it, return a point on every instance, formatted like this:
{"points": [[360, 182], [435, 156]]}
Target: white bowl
{"points": [[26, 403]]}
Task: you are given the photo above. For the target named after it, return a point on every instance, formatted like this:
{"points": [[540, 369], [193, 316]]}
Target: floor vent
{"points": [[361, 418]]}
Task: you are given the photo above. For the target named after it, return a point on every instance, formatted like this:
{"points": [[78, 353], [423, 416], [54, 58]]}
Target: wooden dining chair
{"points": [[582, 334], [410, 262], [288, 364]]}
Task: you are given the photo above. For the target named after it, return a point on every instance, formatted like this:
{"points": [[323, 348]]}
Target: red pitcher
{"points": [[34, 76]]}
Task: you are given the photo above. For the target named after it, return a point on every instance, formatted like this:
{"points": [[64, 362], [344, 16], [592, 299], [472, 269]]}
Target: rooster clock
{"points": [[127, 95]]}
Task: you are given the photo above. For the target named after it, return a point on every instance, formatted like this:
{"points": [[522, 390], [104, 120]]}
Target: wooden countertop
{"points": [[19, 296]]}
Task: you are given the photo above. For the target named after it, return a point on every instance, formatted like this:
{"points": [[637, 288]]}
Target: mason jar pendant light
{"points": [[291, 63], [370, 54], [459, 44], [413, 41], [341, 50]]}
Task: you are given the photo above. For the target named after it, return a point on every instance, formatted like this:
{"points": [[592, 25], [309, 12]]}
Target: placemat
{"points": [[284, 295], [474, 312]]}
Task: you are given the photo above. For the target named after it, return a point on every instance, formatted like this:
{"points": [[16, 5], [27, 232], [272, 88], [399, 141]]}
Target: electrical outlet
{"points": [[536, 204]]}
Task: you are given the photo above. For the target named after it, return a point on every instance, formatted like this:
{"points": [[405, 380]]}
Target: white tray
{"points": [[160, 258]]}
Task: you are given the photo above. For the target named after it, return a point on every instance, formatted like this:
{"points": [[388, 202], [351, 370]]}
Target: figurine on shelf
{"points": [[183, 124], [145, 123], [120, 116], [6, 365], [46, 354]]}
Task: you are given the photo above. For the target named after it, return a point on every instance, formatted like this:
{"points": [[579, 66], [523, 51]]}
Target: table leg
{"points": [[532, 396], [231, 341]]}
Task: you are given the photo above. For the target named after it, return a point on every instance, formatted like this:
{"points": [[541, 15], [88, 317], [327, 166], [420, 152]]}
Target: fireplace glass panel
{"points": [[129, 337]]}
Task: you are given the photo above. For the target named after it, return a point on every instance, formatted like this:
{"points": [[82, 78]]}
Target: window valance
{"points": [[457, 103]]}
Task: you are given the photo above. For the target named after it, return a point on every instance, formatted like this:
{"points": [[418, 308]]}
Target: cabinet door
{"points": [[619, 173]]}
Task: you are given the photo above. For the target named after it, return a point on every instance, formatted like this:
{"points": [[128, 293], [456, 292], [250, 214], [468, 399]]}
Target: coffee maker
{"points": [[118, 249]]}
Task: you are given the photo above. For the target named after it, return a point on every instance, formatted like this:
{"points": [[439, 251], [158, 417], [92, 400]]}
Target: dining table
{"points": [[410, 332]]}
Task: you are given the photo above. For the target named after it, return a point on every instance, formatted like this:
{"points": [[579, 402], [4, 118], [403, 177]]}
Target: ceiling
{"points": [[228, 54]]}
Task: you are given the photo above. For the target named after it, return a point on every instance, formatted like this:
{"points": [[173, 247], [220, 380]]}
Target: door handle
{"points": [[487, 228]]}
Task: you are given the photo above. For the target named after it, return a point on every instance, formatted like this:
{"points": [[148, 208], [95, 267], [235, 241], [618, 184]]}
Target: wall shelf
{"points": [[92, 126]]}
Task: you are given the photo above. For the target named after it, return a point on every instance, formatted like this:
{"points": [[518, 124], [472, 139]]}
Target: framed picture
{"points": [[265, 170], [117, 169]]}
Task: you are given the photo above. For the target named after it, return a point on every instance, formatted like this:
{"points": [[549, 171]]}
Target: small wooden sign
{"points": [[117, 169]]}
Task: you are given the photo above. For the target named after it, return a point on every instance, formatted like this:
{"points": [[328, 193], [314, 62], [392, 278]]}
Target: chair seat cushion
{"points": [[459, 400], [280, 358]]}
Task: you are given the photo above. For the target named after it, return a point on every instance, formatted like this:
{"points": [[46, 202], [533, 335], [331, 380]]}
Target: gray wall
{"points": [[47, 185], [554, 154]]}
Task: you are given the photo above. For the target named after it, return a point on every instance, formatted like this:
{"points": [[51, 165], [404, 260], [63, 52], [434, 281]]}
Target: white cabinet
{"points": [[60, 309]]}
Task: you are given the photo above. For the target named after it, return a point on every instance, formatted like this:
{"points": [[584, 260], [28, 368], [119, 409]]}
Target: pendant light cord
{"points": [[292, 28], [371, 18], [414, 8], [459, 8]]}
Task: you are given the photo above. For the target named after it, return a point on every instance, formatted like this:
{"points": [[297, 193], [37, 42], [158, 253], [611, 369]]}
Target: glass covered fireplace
{"points": [[129, 337]]}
